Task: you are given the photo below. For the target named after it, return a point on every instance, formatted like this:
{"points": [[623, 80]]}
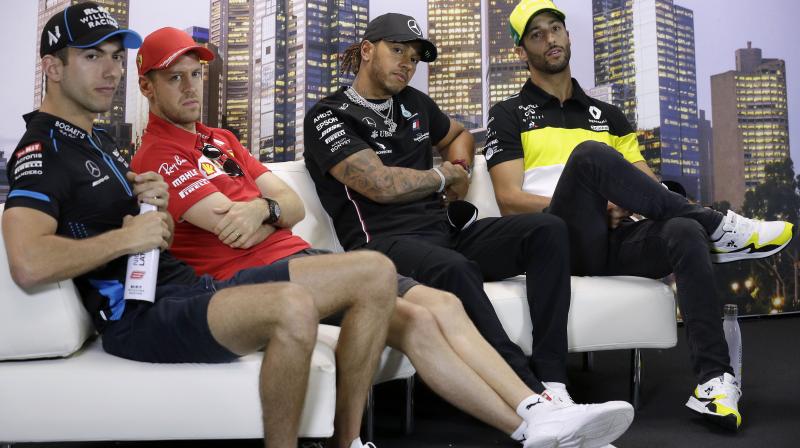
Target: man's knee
{"points": [[684, 230], [444, 304], [687, 238], [590, 151], [296, 317], [419, 324], [373, 264]]}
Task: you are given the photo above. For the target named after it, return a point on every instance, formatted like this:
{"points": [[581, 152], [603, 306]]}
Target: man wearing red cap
{"points": [[430, 326], [553, 149], [72, 213], [233, 214]]}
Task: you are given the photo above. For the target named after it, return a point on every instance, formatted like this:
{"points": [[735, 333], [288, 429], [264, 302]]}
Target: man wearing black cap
{"points": [[72, 213], [551, 148], [369, 150]]}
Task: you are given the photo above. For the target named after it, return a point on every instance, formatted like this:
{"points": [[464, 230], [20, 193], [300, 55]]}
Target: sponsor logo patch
{"points": [[192, 187], [92, 168], [33, 147], [168, 168]]}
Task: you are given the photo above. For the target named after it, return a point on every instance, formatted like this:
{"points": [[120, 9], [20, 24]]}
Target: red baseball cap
{"points": [[160, 49]]}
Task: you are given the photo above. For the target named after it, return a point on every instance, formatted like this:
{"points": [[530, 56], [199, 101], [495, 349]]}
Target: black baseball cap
{"points": [[83, 25], [400, 28]]}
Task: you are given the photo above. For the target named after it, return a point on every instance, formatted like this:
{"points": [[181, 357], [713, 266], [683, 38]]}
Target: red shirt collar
{"points": [[161, 128]]}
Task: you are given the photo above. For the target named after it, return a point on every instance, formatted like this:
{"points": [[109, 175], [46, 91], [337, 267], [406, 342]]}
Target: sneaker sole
{"points": [[720, 258], [597, 431], [726, 421]]}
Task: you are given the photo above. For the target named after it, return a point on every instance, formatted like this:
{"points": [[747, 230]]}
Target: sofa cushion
{"points": [[46, 321], [92, 395], [605, 313], [316, 227]]}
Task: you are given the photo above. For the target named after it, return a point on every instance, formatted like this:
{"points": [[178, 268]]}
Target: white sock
{"points": [[523, 408], [519, 433], [554, 385], [356, 443]]}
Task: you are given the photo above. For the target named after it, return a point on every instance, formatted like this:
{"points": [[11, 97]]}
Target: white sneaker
{"points": [[554, 420], [718, 400], [740, 238]]}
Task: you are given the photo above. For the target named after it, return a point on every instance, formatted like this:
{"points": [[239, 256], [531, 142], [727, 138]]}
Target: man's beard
{"points": [[553, 68]]}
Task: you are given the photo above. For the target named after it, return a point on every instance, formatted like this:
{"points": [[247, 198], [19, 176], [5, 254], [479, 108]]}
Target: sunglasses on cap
{"points": [[229, 165]]}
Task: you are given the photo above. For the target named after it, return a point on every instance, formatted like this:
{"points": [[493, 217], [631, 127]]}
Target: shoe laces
{"points": [[736, 223]]}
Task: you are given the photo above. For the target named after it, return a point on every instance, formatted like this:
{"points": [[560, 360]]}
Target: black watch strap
{"points": [[274, 211]]}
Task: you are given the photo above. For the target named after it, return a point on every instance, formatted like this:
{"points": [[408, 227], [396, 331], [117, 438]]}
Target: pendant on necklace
{"points": [[390, 124]]}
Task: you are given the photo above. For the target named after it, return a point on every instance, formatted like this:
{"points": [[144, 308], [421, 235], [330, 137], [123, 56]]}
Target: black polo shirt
{"points": [[79, 180], [336, 128], [533, 125]]}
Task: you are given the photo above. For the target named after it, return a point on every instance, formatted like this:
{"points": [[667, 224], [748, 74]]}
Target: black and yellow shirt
{"points": [[535, 126]]}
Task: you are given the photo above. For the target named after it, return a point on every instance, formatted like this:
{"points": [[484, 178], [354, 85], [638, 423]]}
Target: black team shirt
{"points": [[336, 128], [79, 180]]}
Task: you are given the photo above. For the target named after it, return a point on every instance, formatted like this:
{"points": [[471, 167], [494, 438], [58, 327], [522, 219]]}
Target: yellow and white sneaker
{"points": [[718, 400], [740, 238]]}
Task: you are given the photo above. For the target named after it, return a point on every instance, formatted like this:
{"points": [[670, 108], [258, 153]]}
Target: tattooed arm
{"points": [[365, 173]]}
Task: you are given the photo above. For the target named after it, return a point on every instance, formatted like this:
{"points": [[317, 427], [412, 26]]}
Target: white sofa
{"points": [[607, 313], [89, 395]]}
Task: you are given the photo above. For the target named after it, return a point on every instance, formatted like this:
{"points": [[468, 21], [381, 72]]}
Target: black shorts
{"points": [[175, 329]]}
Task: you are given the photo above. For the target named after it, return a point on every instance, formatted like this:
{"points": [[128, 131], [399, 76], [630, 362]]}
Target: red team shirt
{"points": [[176, 155]]}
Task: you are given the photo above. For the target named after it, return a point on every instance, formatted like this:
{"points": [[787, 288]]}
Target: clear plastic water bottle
{"points": [[140, 279], [733, 336]]}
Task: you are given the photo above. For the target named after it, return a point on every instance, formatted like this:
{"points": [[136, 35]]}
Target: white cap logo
{"points": [[53, 38], [595, 112], [412, 25]]}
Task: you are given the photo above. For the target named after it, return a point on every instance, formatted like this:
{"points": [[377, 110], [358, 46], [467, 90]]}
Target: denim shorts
{"points": [[174, 329]]}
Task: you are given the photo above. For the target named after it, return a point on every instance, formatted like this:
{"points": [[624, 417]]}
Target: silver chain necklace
{"points": [[388, 116]]}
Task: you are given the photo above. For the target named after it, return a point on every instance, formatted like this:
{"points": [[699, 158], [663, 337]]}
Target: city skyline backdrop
{"points": [[715, 47]]}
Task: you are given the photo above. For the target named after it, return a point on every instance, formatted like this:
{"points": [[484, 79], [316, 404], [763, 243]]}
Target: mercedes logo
{"points": [[412, 25], [92, 168], [370, 121]]}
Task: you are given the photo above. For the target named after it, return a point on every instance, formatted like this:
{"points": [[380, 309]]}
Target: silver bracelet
{"points": [[441, 178]]}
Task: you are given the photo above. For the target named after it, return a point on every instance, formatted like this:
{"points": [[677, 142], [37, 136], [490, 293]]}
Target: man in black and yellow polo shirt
{"points": [[553, 149]]}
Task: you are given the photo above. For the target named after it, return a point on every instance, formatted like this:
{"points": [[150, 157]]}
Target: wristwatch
{"points": [[274, 211]]}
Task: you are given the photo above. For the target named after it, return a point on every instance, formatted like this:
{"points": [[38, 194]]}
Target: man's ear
{"points": [[146, 86], [521, 53], [367, 48], [52, 67]]}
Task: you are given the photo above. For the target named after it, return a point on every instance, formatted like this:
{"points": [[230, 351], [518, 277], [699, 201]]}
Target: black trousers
{"points": [[673, 239], [495, 249]]}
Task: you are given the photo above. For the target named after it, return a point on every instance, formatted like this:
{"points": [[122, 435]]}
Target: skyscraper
{"points": [[645, 50], [114, 119], [507, 73], [751, 123], [455, 79], [230, 30], [706, 146], [212, 74], [296, 49]]}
